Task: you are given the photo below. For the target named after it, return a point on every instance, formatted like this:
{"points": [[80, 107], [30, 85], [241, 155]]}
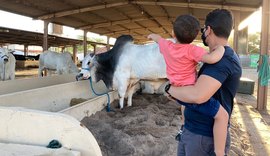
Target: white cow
{"points": [[7, 65], [124, 65], [61, 62]]}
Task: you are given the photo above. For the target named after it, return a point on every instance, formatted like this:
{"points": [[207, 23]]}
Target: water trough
{"points": [[35, 115]]}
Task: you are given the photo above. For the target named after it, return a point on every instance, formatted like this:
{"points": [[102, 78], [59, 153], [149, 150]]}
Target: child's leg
{"points": [[220, 131]]}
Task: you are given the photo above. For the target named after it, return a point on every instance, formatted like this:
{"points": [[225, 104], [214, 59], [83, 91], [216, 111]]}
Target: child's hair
{"points": [[220, 21], [186, 28]]}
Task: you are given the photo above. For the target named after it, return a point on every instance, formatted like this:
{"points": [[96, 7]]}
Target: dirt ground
{"points": [[254, 125], [150, 125], [147, 128], [26, 73]]}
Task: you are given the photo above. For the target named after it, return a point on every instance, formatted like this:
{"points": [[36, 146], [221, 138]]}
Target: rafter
{"points": [[103, 19], [136, 22], [129, 31], [166, 13], [80, 10], [140, 8], [196, 5], [111, 23]]}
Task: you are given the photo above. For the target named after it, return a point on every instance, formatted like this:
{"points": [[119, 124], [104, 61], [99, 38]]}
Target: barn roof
{"points": [[15, 36], [116, 17]]}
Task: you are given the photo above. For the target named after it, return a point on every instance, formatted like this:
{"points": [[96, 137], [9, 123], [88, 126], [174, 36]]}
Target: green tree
{"points": [[89, 47], [254, 43]]}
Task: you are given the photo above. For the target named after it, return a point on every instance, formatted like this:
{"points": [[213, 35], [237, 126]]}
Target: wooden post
{"points": [[265, 47], [84, 43], [45, 35], [75, 54], [108, 43], [45, 39], [62, 49], [95, 48], [25, 50], [235, 35]]}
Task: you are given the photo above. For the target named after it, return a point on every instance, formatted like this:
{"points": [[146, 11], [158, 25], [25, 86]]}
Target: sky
{"points": [[25, 23]]}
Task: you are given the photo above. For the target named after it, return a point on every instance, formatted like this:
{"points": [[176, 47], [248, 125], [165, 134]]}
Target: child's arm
{"points": [[214, 56], [154, 37]]}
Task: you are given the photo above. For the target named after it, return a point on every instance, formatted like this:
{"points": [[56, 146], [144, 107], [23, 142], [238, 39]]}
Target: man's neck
{"points": [[218, 42]]}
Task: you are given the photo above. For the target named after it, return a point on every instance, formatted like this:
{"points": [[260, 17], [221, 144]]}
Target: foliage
{"points": [[254, 43], [89, 47]]}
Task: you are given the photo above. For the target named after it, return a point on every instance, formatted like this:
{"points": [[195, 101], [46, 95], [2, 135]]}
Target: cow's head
{"points": [[4, 55], [88, 67]]}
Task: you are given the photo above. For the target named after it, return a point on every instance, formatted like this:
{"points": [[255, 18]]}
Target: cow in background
{"points": [[124, 65], [62, 63], [7, 65]]}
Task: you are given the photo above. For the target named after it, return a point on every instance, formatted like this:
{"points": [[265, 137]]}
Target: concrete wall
{"points": [[32, 83], [52, 98]]}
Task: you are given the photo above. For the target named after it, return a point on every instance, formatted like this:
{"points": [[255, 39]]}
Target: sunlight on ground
{"points": [[254, 123]]}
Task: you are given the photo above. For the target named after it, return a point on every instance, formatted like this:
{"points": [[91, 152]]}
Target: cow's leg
{"points": [[130, 94], [40, 70], [122, 88], [58, 71], [12, 76], [49, 72], [133, 85]]}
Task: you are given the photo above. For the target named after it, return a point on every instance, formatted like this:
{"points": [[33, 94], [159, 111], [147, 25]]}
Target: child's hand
{"points": [[154, 37]]}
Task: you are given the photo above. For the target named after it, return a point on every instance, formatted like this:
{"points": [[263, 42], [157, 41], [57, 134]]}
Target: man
{"points": [[219, 80]]}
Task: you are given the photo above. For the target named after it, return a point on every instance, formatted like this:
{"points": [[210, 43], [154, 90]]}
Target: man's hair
{"points": [[186, 28], [220, 21]]}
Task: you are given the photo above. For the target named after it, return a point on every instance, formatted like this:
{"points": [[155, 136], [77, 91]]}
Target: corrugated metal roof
{"points": [[116, 17]]}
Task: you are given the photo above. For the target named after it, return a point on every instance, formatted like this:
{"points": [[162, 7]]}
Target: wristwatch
{"points": [[167, 88]]}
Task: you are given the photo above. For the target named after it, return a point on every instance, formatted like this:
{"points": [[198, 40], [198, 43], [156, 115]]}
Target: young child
{"points": [[181, 60]]}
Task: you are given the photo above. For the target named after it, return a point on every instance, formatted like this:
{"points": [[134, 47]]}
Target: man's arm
{"points": [[200, 92], [214, 56]]}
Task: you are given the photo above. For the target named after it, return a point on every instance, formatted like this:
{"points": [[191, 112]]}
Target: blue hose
{"points": [[108, 107]]}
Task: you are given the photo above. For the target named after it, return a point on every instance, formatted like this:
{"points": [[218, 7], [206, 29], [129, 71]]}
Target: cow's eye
{"points": [[88, 63]]}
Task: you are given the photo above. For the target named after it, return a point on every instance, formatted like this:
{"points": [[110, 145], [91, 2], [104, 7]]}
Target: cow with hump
{"points": [[60, 62], [124, 65], [7, 65]]}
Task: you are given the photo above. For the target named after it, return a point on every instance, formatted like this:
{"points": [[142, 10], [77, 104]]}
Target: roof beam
{"points": [[106, 24], [166, 13], [196, 5], [129, 31], [81, 10]]}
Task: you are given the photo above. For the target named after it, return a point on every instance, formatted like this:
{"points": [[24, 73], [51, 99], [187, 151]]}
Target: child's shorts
{"points": [[209, 108]]}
